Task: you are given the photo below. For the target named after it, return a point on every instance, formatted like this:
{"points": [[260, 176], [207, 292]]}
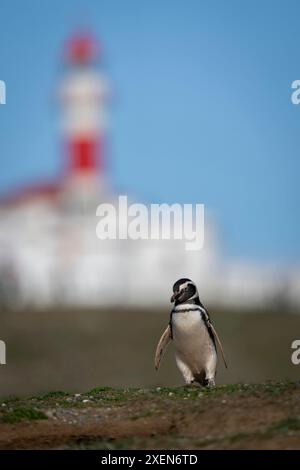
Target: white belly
{"points": [[192, 342]]}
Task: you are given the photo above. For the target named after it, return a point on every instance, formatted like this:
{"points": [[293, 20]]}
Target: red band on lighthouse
{"points": [[83, 96], [86, 154]]}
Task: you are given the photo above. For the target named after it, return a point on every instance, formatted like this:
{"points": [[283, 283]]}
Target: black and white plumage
{"points": [[193, 334]]}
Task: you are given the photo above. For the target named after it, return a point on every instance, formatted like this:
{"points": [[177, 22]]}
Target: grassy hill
{"points": [[264, 416]]}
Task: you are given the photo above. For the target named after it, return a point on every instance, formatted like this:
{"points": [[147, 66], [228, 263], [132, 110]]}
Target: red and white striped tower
{"points": [[83, 96]]}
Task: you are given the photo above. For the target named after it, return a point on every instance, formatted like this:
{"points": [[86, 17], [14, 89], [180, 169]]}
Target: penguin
{"points": [[193, 335]]}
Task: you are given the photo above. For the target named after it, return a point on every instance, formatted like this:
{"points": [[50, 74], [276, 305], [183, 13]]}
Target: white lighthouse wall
{"points": [[52, 256]]}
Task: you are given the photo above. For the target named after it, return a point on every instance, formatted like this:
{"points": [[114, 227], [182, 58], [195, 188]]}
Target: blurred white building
{"points": [[50, 254]]}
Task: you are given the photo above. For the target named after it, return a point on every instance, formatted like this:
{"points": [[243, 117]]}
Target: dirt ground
{"points": [[265, 416]]}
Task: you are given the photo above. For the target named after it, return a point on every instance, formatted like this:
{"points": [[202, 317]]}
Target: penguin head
{"points": [[185, 290]]}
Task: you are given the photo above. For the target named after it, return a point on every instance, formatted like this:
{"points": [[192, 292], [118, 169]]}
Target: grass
{"points": [[103, 396], [286, 425], [22, 413], [165, 416], [50, 395], [271, 388]]}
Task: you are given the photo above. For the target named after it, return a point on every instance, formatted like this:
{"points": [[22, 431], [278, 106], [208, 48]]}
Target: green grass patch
{"points": [[108, 396], [113, 395], [51, 395], [22, 414], [286, 425], [55, 394], [193, 392]]}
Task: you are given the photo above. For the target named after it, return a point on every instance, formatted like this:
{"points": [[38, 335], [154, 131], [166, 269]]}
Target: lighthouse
{"points": [[83, 98]]}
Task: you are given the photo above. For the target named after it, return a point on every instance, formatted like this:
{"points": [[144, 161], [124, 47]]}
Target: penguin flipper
{"points": [[219, 343], [162, 345]]}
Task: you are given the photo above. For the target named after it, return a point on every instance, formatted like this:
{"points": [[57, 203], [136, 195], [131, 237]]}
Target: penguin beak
{"points": [[174, 297]]}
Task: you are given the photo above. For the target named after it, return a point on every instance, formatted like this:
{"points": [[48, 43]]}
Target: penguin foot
{"points": [[210, 383]]}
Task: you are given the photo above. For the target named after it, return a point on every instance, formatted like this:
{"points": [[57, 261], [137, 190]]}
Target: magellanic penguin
{"points": [[193, 334]]}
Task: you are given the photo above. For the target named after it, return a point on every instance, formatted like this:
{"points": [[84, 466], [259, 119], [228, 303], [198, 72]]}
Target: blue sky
{"points": [[202, 109]]}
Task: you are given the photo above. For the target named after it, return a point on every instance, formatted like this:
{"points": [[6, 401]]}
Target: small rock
{"points": [[86, 401], [171, 394]]}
